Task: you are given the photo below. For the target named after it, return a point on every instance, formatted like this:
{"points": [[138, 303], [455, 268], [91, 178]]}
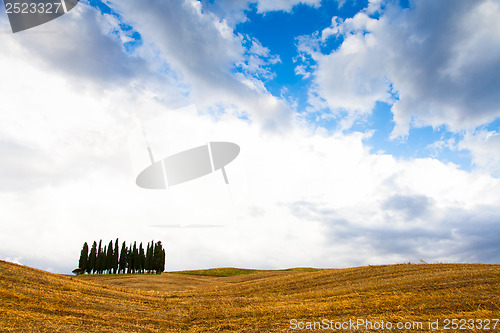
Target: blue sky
{"points": [[358, 121], [279, 31]]}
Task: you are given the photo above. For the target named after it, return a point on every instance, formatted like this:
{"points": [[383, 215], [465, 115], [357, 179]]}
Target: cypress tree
{"points": [[136, 258], [142, 258], [103, 260], [162, 265], [154, 263], [130, 260], [123, 259], [109, 258], [84, 256], [158, 260], [152, 256], [88, 268], [115, 257], [92, 259], [98, 262], [147, 262]]}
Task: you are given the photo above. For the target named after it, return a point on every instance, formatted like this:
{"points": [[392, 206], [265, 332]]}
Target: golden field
{"points": [[233, 300]]}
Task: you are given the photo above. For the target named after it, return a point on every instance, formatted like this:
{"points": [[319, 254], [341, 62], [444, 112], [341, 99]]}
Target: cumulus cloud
{"points": [[297, 197], [482, 145], [233, 10], [381, 234], [436, 63], [81, 46], [412, 207], [284, 5], [304, 198], [203, 49], [258, 60]]}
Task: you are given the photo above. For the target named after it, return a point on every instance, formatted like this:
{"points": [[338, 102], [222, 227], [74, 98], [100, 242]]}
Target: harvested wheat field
{"points": [[362, 299]]}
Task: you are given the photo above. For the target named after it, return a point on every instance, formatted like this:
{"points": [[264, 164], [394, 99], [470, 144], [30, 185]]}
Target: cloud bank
{"points": [[299, 195], [436, 64]]}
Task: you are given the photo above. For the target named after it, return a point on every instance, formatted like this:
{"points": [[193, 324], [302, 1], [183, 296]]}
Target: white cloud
{"points": [[310, 199], [257, 61], [81, 46], [284, 5], [441, 60], [343, 81], [483, 146], [297, 196], [234, 10], [192, 42]]}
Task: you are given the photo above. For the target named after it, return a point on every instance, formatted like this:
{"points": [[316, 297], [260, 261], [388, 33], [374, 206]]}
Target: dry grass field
{"points": [[233, 300]]}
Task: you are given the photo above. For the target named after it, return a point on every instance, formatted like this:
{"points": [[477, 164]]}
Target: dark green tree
{"points": [[84, 256], [109, 258], [123, 259], [92, 259], [158, 258], [98, 262], [142, 258], [148, 260], [136, 258], [130, 260], [162, 262], [103, 260], [115, 257]]}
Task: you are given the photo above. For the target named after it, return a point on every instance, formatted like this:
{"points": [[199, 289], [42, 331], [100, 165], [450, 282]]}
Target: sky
{"points": [[369, 132]]}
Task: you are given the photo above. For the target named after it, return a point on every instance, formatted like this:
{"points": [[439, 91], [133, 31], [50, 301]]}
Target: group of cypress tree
{"points": [[131, 259]]}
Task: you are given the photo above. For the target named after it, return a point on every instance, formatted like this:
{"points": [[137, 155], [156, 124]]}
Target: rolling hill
{"points": [[253, 301]]}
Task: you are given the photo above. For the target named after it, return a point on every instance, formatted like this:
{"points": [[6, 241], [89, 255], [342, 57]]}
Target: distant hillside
{"points": [[230, 271], [257, 301]]}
